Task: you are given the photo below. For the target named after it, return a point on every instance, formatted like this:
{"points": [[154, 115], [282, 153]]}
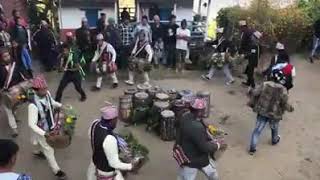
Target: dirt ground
{"points": [[297, 157]]}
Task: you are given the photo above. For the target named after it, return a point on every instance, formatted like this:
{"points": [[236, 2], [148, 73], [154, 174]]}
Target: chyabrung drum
{"points": [[155, 118], [153, 91], [130, 92], [140, 100], [162, 97], [125, 108], [167, 125], [173, 94], [141, 107], [143, 87]]}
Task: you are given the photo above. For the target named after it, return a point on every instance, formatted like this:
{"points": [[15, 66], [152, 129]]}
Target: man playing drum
{"points": [[140, 61], [41, 121], [9, 76], [104, 59], [105, 163]]}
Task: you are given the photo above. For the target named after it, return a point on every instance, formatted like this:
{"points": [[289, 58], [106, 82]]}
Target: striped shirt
{"points": [[5, 39]]}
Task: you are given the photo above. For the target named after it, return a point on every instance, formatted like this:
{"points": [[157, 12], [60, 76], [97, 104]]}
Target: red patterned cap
{"points": [[109, 112], [39, 82], [198, 104]]}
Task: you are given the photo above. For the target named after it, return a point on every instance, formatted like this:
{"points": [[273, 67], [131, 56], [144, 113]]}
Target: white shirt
{"points": [[33, 116], [110, 147], [181, 43], [100, 50], [9, 176]]}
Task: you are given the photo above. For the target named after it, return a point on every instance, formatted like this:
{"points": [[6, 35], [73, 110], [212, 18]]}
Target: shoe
{"points": [[39, 155], [84, 98], [95, 88], [129, 82], [146, 83], [229, 82], [205, 77], [245, 83], [15, 133], [252, 151], [114, 85], [188, 61], [311, 59], [277, 142], [60, 175]]}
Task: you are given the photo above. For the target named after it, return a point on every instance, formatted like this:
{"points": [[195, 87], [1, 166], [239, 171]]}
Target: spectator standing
{"points": [[112, 35], [126, 34], [83, 39], [145, 27], [183, 37], [8, 158], [21, 56], [45, 40], [316, 40], [19, 32], [170, 42], [125, 14], [101, 23], [4, 36], [157, 29]]}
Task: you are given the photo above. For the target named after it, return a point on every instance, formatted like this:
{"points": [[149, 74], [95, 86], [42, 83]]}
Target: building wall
{"points": [[9, 5]]}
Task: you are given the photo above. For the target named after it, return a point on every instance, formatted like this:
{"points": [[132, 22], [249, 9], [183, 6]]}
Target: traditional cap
{"points": [[39, 82], [100, 37], [84, 19], [43, 23], [242, 23], [257, 34], [280, 46], [198, 104], [109, 112], [220, 30], [69, 34]]}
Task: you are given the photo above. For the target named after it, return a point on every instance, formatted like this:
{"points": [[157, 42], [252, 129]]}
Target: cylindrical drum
{"points": [[205, 95], [179, 106], [173, 94], [162, 97], [167, 126], [153, 91], [154, 120], [140, 100], [130, 92], [143, 87], [125, 108], [185, 93]]}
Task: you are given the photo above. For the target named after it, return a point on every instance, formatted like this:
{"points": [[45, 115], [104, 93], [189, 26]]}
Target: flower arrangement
{"points": [[70, 120], [217, 60]]}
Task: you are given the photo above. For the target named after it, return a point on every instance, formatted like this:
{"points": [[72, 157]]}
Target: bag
{"points": [[179, 155], [112, 67]]}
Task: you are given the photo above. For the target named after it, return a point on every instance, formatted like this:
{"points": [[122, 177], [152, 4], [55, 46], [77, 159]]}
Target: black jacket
{"points": [[245, 41], [83, 37], [16, 77], [194, 140]]}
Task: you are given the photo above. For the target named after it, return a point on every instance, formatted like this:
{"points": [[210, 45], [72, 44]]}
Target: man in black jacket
{"points": [[83, 39], [192, 137]]}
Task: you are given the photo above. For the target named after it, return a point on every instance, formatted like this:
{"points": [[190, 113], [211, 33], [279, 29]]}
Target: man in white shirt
{"points": [[144, 25], [105, 163], [41, 122], [104, 59], [8, 158], [183, 37]]}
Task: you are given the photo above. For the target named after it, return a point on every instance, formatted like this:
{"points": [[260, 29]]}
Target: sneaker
{"points": [[60, 175], [114, 85], [95, 88], [229, 82], [205, 77], [188, 61], [277, 142], [15, 133], [39, 155], [146, 83], [252, 151], [84, 98], [129, 82]]}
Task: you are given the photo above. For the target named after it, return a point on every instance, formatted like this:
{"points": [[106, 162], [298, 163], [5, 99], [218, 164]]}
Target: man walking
{"points": [[316, 40], [269, 101]]}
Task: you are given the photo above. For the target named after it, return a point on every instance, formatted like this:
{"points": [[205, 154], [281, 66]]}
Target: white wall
{"points": [[184, 13], [71, 17]]}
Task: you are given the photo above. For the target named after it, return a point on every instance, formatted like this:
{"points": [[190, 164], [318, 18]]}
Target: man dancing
{"points": [[10, 75], [104, 59], [41, 121]]}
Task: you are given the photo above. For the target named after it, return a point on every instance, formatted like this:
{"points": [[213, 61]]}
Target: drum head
{"points": [[167, 113], [130, 91], [141, 95], [162, 96], [203, 93], [161, 104], [184, 93], [144, 86]]}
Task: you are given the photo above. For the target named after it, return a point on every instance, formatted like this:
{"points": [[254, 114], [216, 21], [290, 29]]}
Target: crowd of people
{"points": [[133, 48]]}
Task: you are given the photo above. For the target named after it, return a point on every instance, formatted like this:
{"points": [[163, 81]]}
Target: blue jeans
{"points": [[260, 125]]}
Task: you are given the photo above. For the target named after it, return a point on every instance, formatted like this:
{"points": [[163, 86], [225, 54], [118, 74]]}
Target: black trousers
{"points": [[250, 75], [68, 77], [125, 52], [171, 55]]}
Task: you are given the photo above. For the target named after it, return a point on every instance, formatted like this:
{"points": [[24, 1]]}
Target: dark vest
{"points": [[143, 53], [41, 122], [98, 135]]}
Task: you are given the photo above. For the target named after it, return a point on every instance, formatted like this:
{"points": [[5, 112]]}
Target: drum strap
{"points": [[10, 74], [141, 48]]}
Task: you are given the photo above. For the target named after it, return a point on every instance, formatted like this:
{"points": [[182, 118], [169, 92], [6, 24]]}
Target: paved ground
{"points": [[296, 158]]}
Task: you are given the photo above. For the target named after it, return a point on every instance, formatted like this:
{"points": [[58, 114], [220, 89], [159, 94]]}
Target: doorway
{"points": [[128, 6]]}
